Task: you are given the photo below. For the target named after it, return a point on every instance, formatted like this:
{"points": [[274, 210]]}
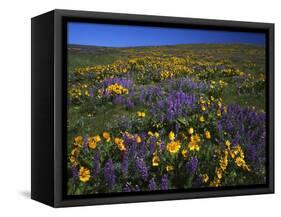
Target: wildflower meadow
{"points": [[165, 117]]}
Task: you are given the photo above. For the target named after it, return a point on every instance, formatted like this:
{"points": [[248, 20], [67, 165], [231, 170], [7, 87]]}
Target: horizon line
{"points": [[166, 45]]}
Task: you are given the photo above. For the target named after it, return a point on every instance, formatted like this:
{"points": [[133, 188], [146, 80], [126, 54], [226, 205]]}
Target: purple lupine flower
{"points": [[162, 146], [109, 173], [92, 92], [247, 129], [124, 164], [75, 173], [126, 188], [152, 185], [96, 164], [192, 165], [141, 168], [165, 182], [137, 188], [85, 142], [175, 104], [152, 144]]}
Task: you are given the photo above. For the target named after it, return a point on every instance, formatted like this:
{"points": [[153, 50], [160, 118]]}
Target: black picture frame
{"points": [[49, 61]]}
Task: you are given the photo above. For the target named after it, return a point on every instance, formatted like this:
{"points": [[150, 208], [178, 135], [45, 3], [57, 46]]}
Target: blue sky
{"points": [[128, 36]]}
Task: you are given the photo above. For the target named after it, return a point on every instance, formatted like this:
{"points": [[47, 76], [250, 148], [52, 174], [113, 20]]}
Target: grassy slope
{"points": [[80, 56]]}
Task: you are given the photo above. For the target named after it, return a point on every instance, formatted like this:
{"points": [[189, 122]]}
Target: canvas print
{"points": [[160, 109]]}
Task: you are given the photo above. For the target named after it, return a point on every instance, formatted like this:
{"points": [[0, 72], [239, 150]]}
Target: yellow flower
{"points": [[184, 153], [172, 136], [120, 144], [75, 151], [78, 140], [106, 136], [117, 89], [155, 161], [219, 113], [195, 138], [239, 161], [205, 178], [87, 93], [173, 147], [150, 133], [219, 173], [138, 139], [156, 135], [224, 163], [201, 119], [97, 138], [169, 168], [227, 143], [208, 134], [92, 143], [212, 98], [84, 174], [190, 130], [193, 146], [73, 160], [141, 114], [203, 108]]}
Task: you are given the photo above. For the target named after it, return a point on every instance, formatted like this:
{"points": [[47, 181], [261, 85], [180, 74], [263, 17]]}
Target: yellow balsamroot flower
{"points": [[239, 161], [195, 138], [173, 147], [75, 151], [73, 160], [219, 173], [172, 136], [169, 168], [208, 134], [156, 135], [141, 114], [92, 143], [155, 161], [84, 174], [117, 89], [190, 130], [202, 100], [201, 119], [138, 139], [219, 113], [106, 136], [78, 140], [153, 134], [224, 163], [227, 143], [215, 183], [87, 93], [212, 98], [184, 153], [193, 146], [203, 108], [97, 138], [120, 144], [205, 178]]}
